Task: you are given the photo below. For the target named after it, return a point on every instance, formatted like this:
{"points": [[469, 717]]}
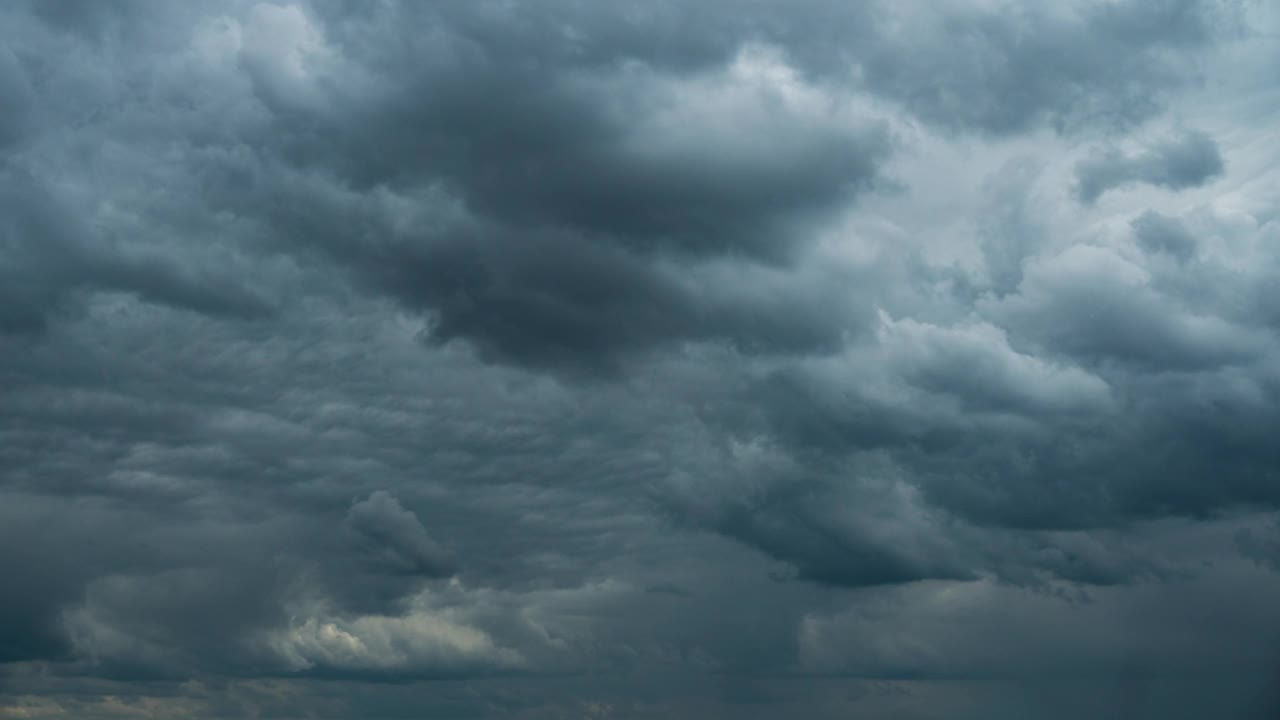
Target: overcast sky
{"points": [[612, 359]]}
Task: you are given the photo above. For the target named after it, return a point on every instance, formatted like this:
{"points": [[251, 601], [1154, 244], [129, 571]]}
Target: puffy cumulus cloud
{"points": [[638, 360], [420, 642]]}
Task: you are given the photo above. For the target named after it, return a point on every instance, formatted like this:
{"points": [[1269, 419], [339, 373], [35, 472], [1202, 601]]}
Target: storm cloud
{"points": [[639, 360]]}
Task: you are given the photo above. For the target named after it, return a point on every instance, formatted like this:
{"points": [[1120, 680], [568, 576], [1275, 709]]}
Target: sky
{"points": [[618, 360]]}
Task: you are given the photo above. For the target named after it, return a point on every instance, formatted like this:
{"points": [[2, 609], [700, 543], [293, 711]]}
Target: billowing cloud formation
{"points": [[639, 360]]}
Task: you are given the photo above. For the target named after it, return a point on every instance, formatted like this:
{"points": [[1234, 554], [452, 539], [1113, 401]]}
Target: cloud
{"points": [[417, 642], [51, 257], [977, 365], [1262, 545], [1094, 304], [535, 351], [1188, 161], [935, 632], [573, 249], [383, 521], [16, 94], [1159, 233], [1004, 70]]}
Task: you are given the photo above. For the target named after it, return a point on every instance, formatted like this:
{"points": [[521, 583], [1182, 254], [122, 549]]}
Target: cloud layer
{"points": [[639, 360]]}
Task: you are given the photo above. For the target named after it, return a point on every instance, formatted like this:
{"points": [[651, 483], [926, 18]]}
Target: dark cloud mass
{"points": [[639, 359], [1185, 162]]}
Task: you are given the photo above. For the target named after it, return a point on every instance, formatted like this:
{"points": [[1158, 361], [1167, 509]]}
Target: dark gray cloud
{"points": [[16, 94], [51, 258], [397, 533], [638, 360], [1160, 233], [609, 150], [582, 204], [1092, 303], [1262, 545], [1177, 164]]}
